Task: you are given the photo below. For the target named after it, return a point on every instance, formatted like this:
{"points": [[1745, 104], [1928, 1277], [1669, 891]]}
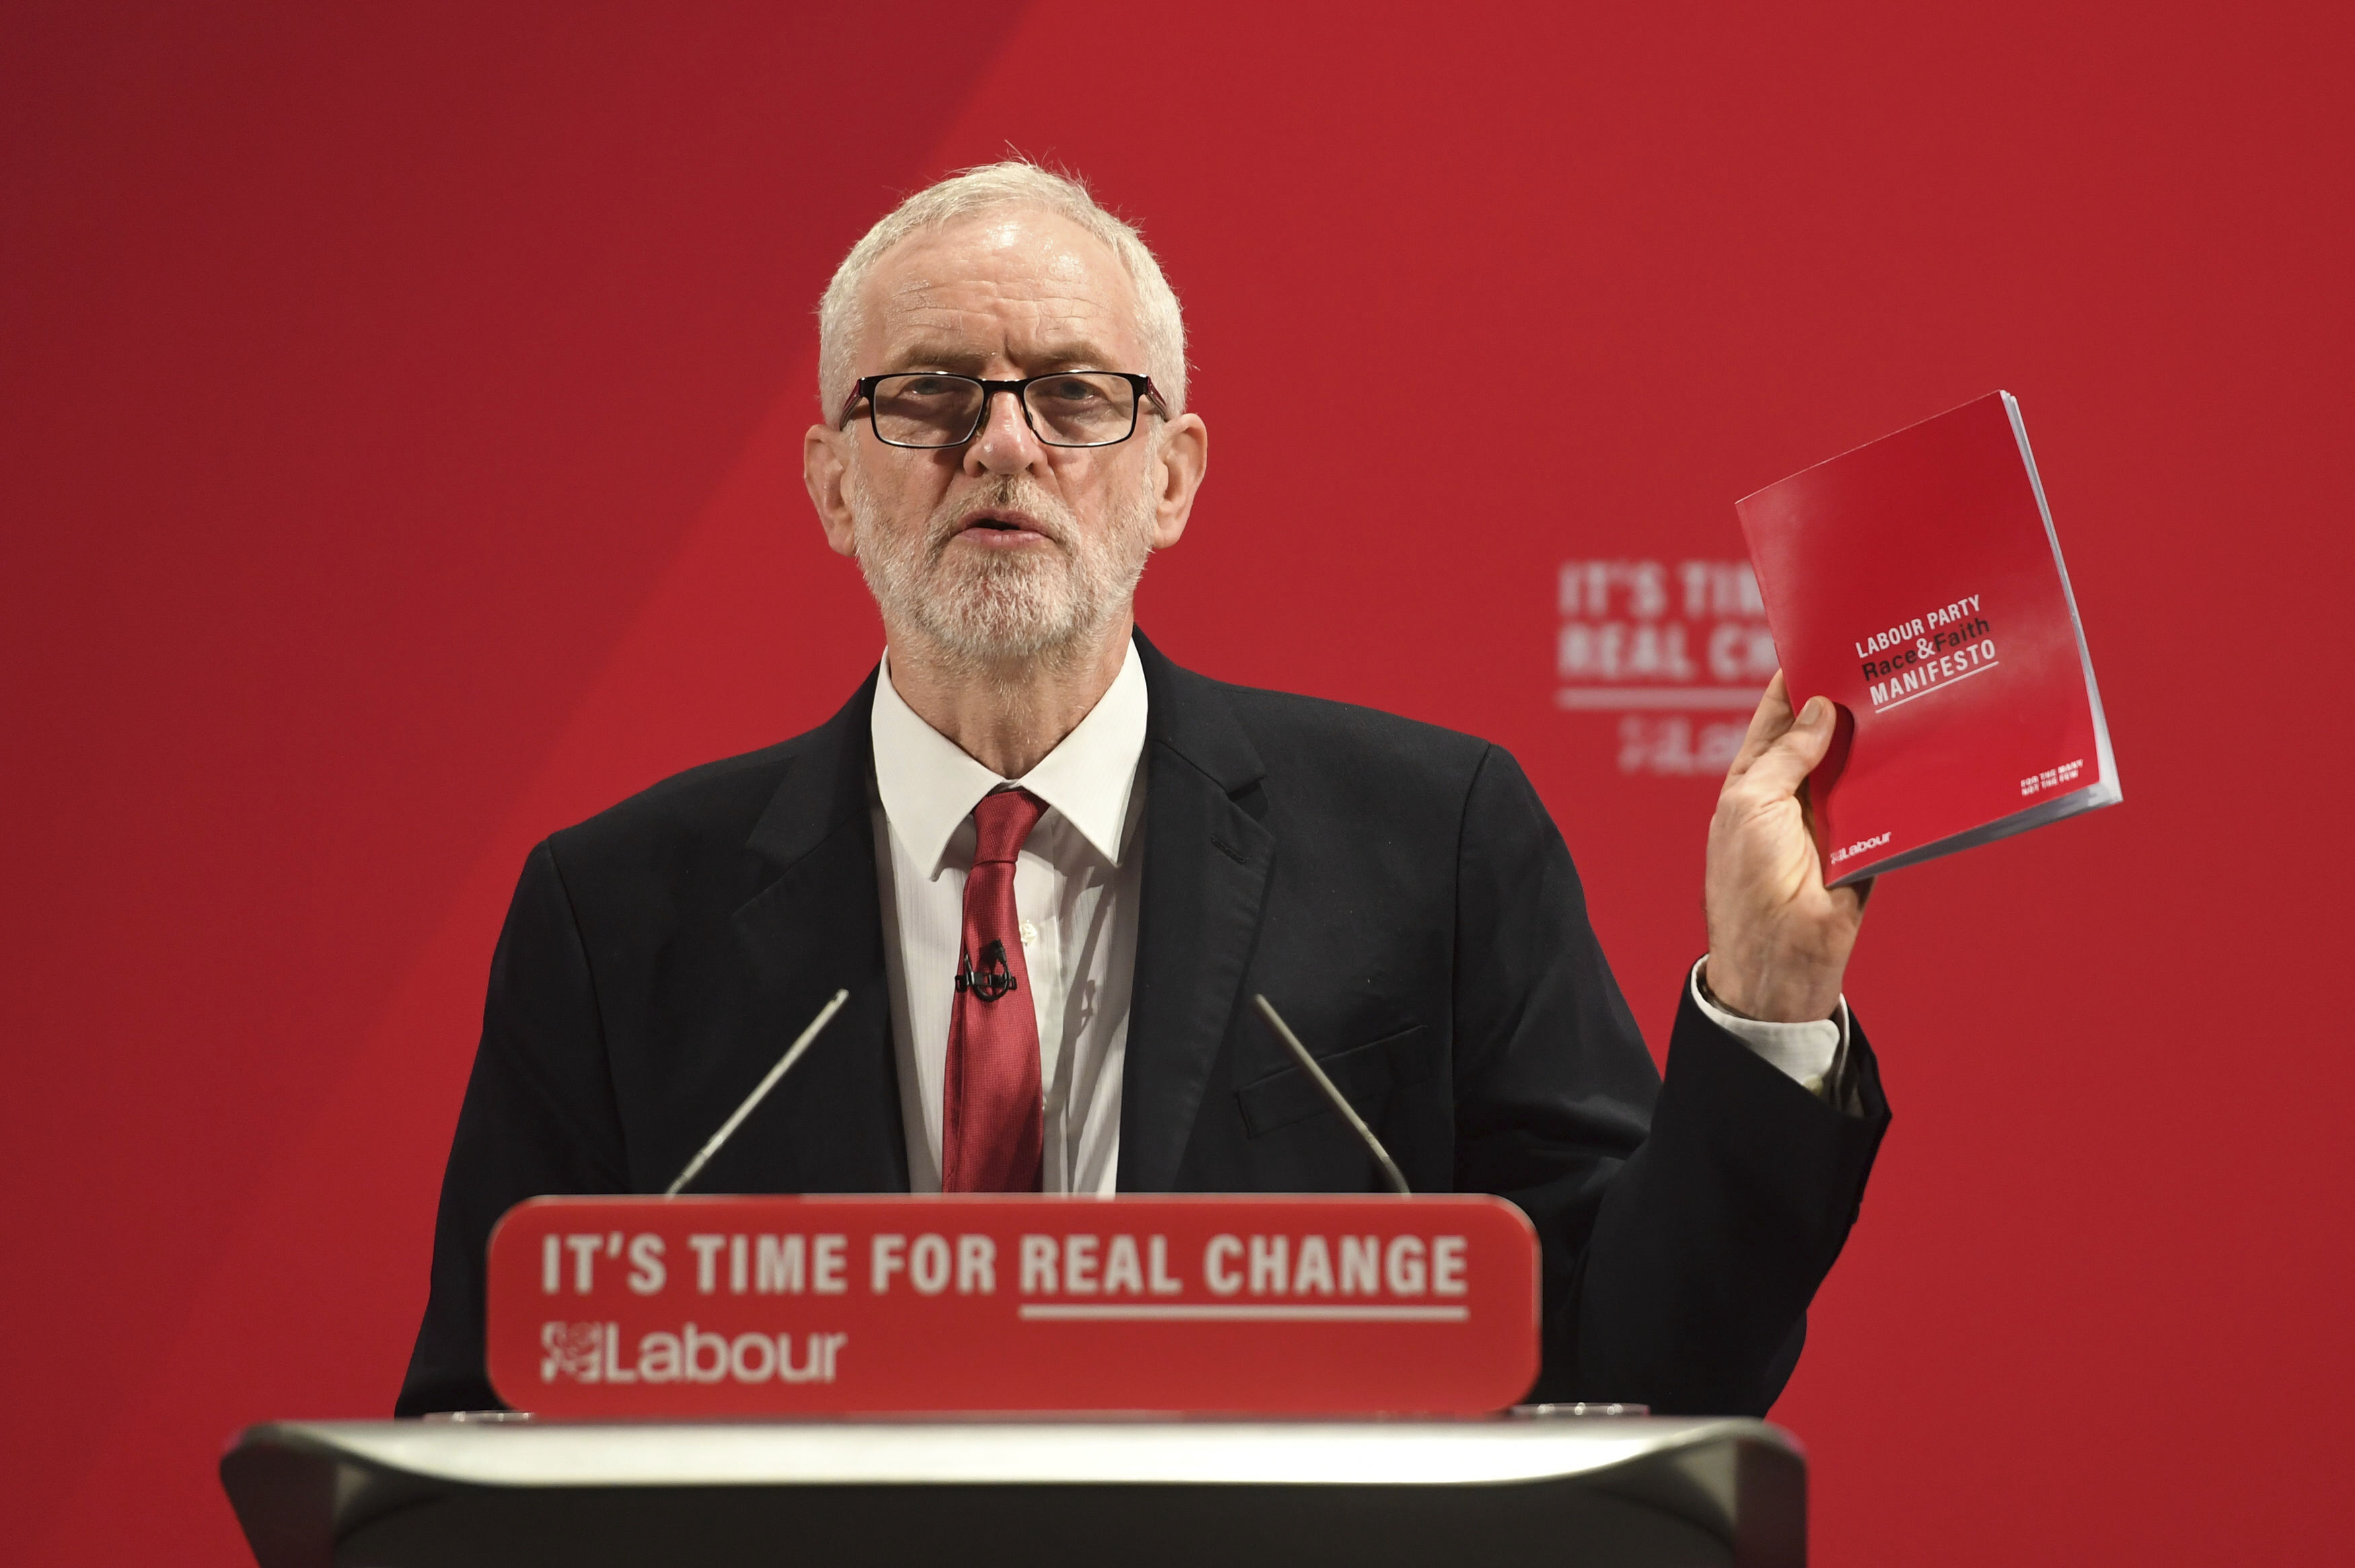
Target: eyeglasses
{"points": [[1063, 409]]}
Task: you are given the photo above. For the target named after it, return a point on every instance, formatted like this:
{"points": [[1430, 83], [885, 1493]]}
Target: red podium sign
{"points": [[784, 1306]]}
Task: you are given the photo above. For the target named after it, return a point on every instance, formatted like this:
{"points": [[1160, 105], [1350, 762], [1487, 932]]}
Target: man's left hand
{"points": [[1778, 938]]}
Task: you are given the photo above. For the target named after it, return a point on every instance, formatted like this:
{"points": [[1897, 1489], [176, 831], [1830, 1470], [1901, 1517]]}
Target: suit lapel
{"points": [[815, 927], [1207, 860]]}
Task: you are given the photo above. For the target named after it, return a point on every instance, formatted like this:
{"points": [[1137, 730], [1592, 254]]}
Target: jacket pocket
{"points": [[1364, 1074]]}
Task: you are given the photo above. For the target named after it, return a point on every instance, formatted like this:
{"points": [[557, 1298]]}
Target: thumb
{"points": [[1797, 750]]}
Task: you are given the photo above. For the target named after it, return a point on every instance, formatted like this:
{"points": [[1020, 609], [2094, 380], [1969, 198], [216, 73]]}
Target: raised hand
{"points": [[1778, 938]]}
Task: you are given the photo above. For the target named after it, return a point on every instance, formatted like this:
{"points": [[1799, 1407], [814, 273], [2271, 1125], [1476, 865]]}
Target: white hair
{"points": [[1015, 182]]}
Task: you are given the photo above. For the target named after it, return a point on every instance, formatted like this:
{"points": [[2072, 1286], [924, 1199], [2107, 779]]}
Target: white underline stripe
{"points": [[1656, 697], [1938, 686], [1258, 1314]]}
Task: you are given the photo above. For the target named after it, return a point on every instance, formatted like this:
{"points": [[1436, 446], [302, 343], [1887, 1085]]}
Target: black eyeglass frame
{"points": [[1140, 387]]}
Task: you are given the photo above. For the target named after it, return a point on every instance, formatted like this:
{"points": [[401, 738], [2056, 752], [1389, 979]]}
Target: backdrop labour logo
{"points": [[1680, 653]]}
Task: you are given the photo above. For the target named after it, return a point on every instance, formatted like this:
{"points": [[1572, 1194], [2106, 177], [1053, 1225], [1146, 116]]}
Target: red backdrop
{"points": [[399, 452]]}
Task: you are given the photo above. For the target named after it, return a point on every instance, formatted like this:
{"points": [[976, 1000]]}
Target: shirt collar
{"points": [[930, 786]]}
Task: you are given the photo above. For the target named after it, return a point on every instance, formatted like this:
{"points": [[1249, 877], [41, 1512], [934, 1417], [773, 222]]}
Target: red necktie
{"points": [[991, 1129]]}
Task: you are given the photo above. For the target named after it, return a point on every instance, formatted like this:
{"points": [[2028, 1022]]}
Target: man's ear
{"points": [[826, 470], [1179, 461]]}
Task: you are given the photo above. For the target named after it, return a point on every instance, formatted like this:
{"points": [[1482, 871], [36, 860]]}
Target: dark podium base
{"points": [[1354, 1494]]}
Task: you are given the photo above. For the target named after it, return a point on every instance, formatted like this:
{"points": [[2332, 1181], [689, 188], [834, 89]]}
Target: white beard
{"points": [[989, 610]]}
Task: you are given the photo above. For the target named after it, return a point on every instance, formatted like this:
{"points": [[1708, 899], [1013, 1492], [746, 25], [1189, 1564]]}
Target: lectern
{"points": [[1527, 1488]]}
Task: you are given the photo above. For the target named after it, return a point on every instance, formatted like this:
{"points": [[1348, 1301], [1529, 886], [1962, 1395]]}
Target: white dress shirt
{"points": [[1813, 1053], [1076, 889]]}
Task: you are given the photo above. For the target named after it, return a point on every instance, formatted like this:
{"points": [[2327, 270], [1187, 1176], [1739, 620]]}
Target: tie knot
{"points": [[1002, 821]]}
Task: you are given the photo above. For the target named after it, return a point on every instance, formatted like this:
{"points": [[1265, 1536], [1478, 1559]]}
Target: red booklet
{"points": [[1917, 582]]}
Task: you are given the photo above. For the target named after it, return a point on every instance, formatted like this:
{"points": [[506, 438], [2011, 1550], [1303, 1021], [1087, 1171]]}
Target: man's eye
{"points": [[1071, 390]]}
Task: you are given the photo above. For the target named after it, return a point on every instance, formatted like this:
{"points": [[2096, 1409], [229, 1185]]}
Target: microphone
{"points": [[784, 1064], [1316, 1074]]}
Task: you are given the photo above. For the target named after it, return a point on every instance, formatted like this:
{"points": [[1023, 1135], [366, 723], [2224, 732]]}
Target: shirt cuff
{"points": [[1811, 1054]]}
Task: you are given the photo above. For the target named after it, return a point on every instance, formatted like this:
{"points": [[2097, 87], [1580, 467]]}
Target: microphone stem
{"points": [[785, 1063], [1391, 1172]]}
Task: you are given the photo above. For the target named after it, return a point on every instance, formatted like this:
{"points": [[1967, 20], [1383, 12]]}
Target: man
{"points": [[1051, 867]]}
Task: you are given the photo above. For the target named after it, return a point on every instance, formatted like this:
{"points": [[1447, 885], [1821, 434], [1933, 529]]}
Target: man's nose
{"points": [[1005, 443]]}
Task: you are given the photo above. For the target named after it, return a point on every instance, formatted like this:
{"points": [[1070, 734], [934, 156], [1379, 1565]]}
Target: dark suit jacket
{"points": [[1397, 890]]}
